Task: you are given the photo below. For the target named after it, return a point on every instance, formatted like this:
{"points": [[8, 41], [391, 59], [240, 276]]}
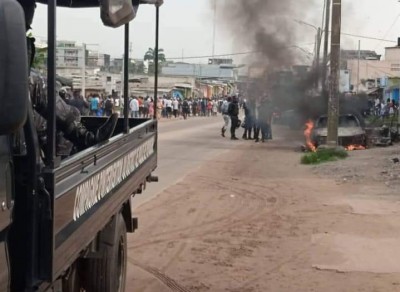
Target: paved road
{"points": [[184, 145]]}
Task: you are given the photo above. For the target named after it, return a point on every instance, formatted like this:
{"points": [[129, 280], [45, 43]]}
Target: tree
{"points": [[39, 62], [150, 57], [136, 67]]}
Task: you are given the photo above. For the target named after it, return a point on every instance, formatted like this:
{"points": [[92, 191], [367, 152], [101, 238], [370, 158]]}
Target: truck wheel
{"points": [[108, 273]]}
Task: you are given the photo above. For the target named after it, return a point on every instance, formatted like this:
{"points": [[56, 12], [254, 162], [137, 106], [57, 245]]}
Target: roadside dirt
{"points": [[256, 220]]}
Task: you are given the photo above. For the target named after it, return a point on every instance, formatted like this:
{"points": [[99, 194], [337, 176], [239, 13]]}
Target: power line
{"points": [[232, 54], [254, 52], [367, 37], [210, 56], [390, 28]]}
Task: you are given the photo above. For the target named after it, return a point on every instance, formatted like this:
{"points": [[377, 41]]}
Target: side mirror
{"points": [[13, 67], [115, 13]]}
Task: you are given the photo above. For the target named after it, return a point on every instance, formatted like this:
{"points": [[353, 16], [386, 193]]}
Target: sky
{"points": [[186, 28]]}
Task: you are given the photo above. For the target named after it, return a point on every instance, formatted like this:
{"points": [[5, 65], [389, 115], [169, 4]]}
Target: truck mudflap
{"points": [[95, 186]]}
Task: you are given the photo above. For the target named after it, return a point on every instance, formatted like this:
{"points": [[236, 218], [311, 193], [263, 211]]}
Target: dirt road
{"points": [[254, 219]]}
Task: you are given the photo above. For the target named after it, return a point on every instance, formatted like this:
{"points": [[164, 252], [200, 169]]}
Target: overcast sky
{"points": [[187, 26]]}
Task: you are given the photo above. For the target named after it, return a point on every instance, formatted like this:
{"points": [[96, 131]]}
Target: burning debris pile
{"points": [[351, 136], [307, 134]]}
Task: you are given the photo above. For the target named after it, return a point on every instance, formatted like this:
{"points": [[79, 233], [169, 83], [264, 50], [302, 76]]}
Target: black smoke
{"points": [[267, 27]]}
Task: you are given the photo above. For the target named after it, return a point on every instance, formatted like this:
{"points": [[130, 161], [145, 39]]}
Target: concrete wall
{"points": [[70, 57], [392, 54], [370, 69]]}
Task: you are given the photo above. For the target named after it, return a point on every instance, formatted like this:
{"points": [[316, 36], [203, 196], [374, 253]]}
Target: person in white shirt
{"points": [[225, 115], [168, 105], [134, 107], [377, 106], [175, 106]]}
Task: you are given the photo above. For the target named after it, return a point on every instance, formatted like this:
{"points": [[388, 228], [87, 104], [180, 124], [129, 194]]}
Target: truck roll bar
{"points": [[52, 160]]}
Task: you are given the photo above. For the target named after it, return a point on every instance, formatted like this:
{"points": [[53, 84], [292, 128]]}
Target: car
{"points": [[350, 131]]}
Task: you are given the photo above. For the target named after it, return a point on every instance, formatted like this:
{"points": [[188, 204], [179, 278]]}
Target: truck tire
{"points": [[108, 273]]}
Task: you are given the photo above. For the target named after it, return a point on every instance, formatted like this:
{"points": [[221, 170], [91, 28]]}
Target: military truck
{"points": [[64, 222]]}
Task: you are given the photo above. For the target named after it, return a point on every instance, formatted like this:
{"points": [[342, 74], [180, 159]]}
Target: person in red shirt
{"points": [[209, 108]]}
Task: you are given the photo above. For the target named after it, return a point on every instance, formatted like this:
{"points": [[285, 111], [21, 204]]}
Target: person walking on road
{"points": [[214, 108], [108, 106], [185, 109], [225, 115], [94, 105], [248, 121], [134, 107], [233, 112], [209, 108], [175, 106], [168, 105], [159, 108], [151, 108]]}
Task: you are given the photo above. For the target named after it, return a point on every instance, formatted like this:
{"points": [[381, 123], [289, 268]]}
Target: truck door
{"points": [[6, 203]]}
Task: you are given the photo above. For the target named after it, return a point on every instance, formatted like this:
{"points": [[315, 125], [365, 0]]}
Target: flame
{"points": [[307, 134], [355, 147]]}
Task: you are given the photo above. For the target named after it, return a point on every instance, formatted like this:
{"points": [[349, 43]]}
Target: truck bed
{"points": [[91, 186]]}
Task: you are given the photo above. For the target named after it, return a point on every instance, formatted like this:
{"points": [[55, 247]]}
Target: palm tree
{"points": [[150, 58]]}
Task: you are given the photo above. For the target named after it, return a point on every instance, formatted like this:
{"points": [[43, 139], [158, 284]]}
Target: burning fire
{"points": [[307, 134], [355, 147]]}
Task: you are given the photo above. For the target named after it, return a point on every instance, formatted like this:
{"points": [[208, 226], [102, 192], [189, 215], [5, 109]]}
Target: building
{"points": [[99, 60], [211, 80], [226, 72], [219, 61], [117, 65], [367, 73], [364, 55], [69, 55]]}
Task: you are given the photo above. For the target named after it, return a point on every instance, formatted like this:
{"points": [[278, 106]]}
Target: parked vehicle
{"points": [[350, 131], [63, 223]]}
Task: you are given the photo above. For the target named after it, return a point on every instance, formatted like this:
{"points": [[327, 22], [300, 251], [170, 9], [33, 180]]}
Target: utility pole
{"points": [[326, 42], [358, 67], [214, 27], [317, 56], [333, 106], [83, 83]]}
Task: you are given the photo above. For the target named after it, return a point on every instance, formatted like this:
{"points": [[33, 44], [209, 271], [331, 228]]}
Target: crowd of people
{"points": [[177, 107], [256, 125], [257, 120], [144, 107], [384, 108]]}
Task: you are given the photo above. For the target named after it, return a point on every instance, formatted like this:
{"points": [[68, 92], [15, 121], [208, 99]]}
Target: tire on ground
{"points": [[108, 272]]}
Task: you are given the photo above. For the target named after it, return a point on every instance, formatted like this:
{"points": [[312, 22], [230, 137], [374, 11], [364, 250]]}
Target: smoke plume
{"points": [[267, 27]]}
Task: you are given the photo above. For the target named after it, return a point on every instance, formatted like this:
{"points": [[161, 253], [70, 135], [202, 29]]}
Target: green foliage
{"points": [[324, 155], [377, 121], [150, 56], [40, 60], [136, 68]]}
